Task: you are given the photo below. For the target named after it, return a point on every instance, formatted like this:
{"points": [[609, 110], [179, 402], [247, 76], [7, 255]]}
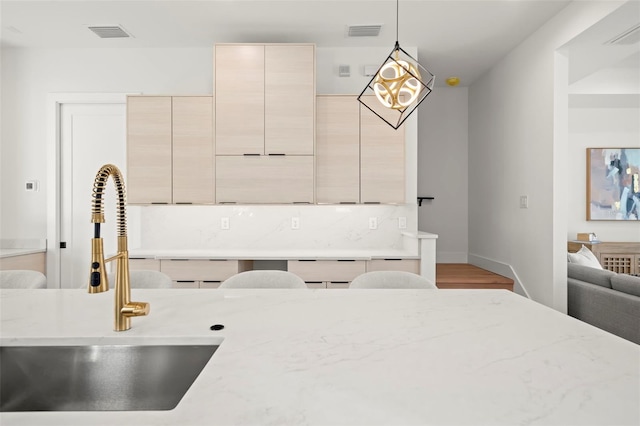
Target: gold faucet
{"points": [[124, 307]]}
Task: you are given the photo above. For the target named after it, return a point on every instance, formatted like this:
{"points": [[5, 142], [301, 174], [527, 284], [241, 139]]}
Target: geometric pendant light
{"points": [[398, 87]]}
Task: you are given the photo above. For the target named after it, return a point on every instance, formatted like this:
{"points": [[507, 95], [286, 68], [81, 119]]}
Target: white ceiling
{"points": [[461, 38]]}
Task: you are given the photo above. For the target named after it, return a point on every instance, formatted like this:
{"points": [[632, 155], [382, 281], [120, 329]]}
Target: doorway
{"points": [[90, 131]]}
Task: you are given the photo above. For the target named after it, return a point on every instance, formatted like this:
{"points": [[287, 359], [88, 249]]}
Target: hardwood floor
{"points": [[463, 275]]}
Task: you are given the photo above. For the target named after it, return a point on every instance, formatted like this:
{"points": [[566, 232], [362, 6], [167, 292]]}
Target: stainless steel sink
{"points": [[98, 377]]}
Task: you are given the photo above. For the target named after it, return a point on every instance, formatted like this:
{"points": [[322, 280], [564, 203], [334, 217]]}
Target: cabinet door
{"points": [[239, 99], [264, 179], [327, 270], [337, 149], [289, 99], [382, 160], [193, 160], [149, 173]]}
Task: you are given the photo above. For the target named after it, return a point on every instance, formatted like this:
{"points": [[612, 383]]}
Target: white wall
{"points": [[29, 75], [598, 128], [443, 171], [511, 153]]}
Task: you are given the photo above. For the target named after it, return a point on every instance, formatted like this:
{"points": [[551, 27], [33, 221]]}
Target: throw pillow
{"points": [[585, 257]]}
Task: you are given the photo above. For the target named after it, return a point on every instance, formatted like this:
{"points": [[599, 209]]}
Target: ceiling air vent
{"points": [[364, 30], [630, 36], [112, 31]]}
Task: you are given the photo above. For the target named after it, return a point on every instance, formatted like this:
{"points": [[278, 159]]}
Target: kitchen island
{"points": [[323, 357]]}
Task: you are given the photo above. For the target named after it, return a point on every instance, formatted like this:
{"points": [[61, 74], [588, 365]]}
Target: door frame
{"points": [[54, 153]]}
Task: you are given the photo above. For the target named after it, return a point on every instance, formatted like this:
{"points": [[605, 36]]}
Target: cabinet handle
{"points": [[372, 202], [227, 202], [184, 202], [178, 260], [211, 281], [301, 202], [159, 202], [346, 260], [251, 155], [392, 259], [185, 281], [276, 154], [347, 202], [306, 260]]}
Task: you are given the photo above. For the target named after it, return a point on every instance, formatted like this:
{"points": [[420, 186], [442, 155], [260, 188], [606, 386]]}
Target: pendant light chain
{"points": [[397, 13]]}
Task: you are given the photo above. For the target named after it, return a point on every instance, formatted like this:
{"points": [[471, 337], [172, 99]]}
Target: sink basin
{"points": [[98, 377]]}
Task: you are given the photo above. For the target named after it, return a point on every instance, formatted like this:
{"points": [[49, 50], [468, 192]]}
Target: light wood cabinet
{"points": [[264, 179], [149, 149], [382, 160], [141, 264], [201, 273], [333, 273], [407, 265], [337, 149], [170, 150], [289, 99], [193, 159], [239, 99], [265, 99]]}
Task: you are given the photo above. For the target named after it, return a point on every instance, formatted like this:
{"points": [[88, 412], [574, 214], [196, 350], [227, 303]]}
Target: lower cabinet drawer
{"points": [[408, 265], [316, 284], [199, 269], [338, 284], [144, 264], [327, 270], [210, 284], [185, 284]]}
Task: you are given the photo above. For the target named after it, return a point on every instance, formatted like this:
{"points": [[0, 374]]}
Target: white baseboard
{"points": [[501, 269]]}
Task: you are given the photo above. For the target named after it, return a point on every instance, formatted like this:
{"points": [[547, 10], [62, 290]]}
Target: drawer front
{"points": [[144, 264], [199, 269], [31, 262], [338, 285], [210, 284], [408, 265], [185, 284], [327, 270], [316, 284]]}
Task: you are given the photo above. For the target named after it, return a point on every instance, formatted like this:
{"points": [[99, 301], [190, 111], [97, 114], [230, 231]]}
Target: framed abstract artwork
{"points": [[613, 184]]}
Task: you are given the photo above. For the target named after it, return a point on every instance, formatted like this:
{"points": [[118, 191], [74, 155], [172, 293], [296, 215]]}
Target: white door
{"points": [[91, 135]]}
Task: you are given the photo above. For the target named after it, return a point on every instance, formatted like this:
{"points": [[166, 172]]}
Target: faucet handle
{"points": [[135, 309]]}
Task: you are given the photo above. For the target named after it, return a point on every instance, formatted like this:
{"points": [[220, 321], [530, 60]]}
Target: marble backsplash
{"points": [[330, 227]]}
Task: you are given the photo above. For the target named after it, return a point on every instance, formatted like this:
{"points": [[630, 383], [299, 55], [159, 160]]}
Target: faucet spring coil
{"points": [[97, 204]]}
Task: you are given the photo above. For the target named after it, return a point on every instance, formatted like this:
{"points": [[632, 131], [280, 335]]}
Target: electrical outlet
{"points": [[524, 202], [402, 222], [373, 223], [295, 223], [224, 223]]}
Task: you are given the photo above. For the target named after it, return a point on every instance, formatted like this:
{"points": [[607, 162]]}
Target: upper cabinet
{"points": [[149, 149], [337, 149], [382, 160], [265, 99], [170, 150]]}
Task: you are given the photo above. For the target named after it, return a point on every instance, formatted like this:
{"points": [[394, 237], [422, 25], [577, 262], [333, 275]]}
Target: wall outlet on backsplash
{"points": [[224, 223], [402, 222], [373, 223], [295, 223]]}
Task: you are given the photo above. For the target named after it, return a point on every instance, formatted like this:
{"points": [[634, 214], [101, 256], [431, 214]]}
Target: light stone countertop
{"points": [[257, 254], [349, 357]]}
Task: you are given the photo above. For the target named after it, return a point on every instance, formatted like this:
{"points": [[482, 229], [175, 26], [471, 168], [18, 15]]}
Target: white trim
{"points": [[500, 269], [54, 102]]}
